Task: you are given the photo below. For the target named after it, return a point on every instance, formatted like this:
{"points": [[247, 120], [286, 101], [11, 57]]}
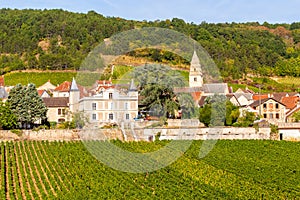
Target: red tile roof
{"points": [[2, 81], [40, 92], [260, 96], [64, 87], [104, 82], [290, 102]]}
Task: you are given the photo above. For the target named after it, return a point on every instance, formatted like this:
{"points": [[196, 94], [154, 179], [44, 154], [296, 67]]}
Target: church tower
{"points": [[74, 97], [195, 77]]}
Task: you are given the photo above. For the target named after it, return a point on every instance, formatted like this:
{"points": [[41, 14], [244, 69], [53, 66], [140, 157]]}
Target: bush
{"points": [[18, 132]]}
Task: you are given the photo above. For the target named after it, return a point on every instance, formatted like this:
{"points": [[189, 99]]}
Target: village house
{"points": [[270, 109], [111, 103], [63, 103]]}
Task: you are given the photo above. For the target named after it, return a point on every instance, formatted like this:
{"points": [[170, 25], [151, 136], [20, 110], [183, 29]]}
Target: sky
{"points": [[196, 11]]}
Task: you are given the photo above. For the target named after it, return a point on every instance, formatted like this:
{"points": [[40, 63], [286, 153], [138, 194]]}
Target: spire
{"points": [[132, 86], [74, 86], [195, 60]]}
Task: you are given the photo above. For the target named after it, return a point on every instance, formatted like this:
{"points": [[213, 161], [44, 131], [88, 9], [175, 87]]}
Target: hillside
{"points": [[59, 40], [232, 170]]}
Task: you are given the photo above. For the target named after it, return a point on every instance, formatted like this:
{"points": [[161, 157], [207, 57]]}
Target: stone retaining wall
{"points": [[141, 134]]}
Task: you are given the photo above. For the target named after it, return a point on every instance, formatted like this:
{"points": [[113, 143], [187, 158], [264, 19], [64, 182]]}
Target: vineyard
{"points": [[232, 170]]}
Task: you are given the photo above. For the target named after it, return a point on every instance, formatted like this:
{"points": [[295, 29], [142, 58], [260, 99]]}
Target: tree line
{"points": [[58, 39]]}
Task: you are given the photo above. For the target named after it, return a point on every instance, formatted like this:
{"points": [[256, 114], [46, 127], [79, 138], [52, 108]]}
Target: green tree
{"points": [[78, 120], [205, 114], [7, 119], [232, 113], [296, 116], [27, 105], [246, 120], [158, 74], [213, 113], [160, 99], [187, 106]]}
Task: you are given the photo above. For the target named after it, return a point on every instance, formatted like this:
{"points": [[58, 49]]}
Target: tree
{"points": [[156, 83], [218, 111], [296, 116], [232, 113], [78, 120], [213, 113], [7, 119], [246, 120], [205, 114], [158, 74], [187, 106], [160, 99], [27, 105]]}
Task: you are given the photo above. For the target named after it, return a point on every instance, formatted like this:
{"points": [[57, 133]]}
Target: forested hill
{"points": [[57, 39]]}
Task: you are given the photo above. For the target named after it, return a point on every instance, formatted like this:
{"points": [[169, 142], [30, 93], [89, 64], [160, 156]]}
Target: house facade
{"points": [[270, 109], [111, 104], [58, 109]]}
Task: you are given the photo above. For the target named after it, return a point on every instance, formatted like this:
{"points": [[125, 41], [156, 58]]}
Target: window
{"points": [[271, 106], [111, 106], [265, 106], [110, 95], [111, 116], [59, 111], [195, 69], [277, 115], [265, 116], [195, 79], [126, 106], [61, 120], [94, 106], [276, 105], [94, 116], [271, 116], [127, 116]]}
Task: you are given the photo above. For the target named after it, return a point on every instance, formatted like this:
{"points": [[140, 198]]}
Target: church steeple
{"points": [[195, 77]]}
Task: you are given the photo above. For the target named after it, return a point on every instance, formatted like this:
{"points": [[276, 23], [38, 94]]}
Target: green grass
{"points": [[232, 170]]}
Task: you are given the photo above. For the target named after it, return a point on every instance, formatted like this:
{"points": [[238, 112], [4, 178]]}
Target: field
{"points": [[292, 81], [232, 170], [38, 78]]}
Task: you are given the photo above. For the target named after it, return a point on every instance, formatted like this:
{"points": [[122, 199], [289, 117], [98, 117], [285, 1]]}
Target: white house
{"points": [[111, 104]]}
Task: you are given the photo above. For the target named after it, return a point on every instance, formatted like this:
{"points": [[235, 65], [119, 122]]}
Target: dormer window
{"points": [[195, 79]]}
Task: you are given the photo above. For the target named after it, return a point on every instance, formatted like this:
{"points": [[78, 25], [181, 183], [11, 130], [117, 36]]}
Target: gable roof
{"points": [[262, 101], [64, 87], [56, 101], [47, 86], [248, 96], [215, 88], [290, 102], [40, 92], [256, 97]]}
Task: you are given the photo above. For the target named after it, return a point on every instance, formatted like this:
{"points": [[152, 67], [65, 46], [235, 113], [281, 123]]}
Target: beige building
{"points": [[64, 103], [111, 104], [270, 109], [58, 109]]}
